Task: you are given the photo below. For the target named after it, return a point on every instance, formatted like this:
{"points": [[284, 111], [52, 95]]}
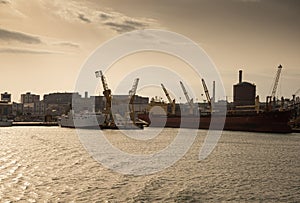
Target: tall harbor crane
{"points": [[172, 102], [207, 94], [109, 122], [189, 101], [131, 99], [134, 87], [276, 81]]}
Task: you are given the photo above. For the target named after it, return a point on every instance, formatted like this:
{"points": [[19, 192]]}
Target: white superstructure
{"points": [[81, 120]]}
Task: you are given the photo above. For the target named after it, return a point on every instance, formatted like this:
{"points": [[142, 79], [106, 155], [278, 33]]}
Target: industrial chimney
{"points": [[240, 76]]}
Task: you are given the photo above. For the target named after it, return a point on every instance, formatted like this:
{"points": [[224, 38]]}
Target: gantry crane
{"points": [[207, 94], [172, 102], [131, 99], [189, 101], [109, 122]]}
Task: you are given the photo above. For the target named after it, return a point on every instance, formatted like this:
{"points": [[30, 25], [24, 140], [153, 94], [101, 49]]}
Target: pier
{"points": [[34, 124]]}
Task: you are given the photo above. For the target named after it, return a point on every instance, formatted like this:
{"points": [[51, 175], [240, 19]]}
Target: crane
{"points": [[189, 101], [276, 81], [131, 99], [207, 94], [172, 102], [134, 87], [109, 122]]}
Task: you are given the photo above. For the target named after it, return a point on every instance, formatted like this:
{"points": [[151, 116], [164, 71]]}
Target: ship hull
{"points": [[273, 122], [89, 121]]}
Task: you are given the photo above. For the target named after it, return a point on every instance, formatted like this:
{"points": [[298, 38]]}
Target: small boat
{"points": [[5, 123]]}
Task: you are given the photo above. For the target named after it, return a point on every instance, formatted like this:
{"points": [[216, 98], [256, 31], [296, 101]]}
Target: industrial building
{"points": [[244, 93]]}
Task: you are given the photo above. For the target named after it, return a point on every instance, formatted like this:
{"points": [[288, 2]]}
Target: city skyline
{"points": [[44, 44]]}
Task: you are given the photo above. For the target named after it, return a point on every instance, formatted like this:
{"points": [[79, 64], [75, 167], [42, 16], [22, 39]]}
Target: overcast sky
{"points": [[44, 44]]}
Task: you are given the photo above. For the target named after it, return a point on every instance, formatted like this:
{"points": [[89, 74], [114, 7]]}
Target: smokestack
{"points": [[86, 94], [240, 76]]}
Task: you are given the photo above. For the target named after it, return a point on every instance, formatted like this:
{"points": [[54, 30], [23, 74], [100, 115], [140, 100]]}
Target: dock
{"points": [[296, 130], [34, 124]]}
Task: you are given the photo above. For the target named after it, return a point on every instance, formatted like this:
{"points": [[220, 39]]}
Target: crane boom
{"points": [[169, 99], [131, 100], [276, 81], [206, 92], [134, 87], [99, 74], [166, 93], [189, 101]]}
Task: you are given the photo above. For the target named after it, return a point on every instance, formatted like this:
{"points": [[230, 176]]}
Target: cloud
{"points": [[83, 18], [67, 44], [25, 51], [104, 16], [126, 25], [4, 2], [72, 11], [18, 36], [134, 23]]}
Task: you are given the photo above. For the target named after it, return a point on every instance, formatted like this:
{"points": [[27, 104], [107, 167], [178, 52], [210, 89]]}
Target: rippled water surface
{"points": [[50, 164]]}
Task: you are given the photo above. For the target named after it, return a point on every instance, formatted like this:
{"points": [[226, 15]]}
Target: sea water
{"points": [[51, 164]]}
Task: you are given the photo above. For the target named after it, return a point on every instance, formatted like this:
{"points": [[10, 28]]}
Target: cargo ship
{"points": [[245, 113], [272, 122]]}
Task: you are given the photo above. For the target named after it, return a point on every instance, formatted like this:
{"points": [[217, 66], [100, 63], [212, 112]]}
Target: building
{"points": [[57, 104], [244, 93], [5, 109], [120, 104], [6, 97], [39, 108], [17, 109], [61, 98], [29, 98]]}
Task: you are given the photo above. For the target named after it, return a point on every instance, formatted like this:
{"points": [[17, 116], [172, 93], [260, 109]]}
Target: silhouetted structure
{"points": [[244, 92]]}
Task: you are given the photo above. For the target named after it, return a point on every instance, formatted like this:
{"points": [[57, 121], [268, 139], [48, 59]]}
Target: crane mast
{"points": [[276, 81], [189, 101], [206, 93], [169, 99]]}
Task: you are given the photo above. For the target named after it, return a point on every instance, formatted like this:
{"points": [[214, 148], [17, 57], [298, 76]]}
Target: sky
{"points": [[44, 44]]}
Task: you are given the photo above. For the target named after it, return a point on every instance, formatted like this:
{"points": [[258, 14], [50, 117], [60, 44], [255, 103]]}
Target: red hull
{"points": [[275, 122]]}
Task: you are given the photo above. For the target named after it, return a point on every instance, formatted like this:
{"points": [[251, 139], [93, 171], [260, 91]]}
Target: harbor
{"points": [[139, 101], [245, 113]]}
